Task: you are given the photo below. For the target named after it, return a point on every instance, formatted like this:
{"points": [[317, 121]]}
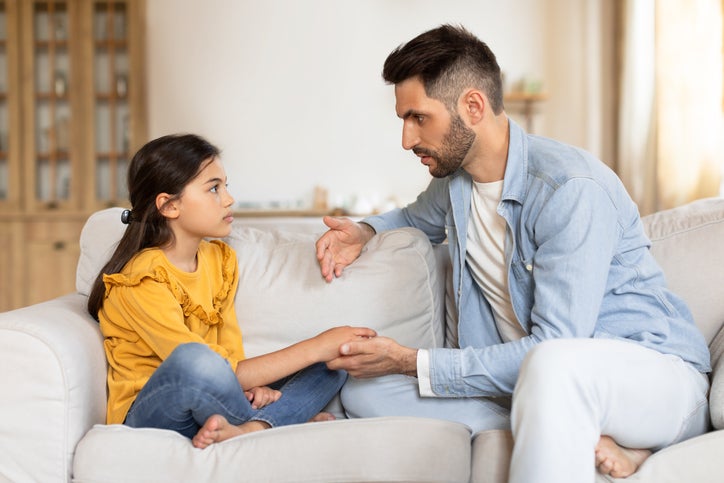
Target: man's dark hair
{"points": [[447, 60]]}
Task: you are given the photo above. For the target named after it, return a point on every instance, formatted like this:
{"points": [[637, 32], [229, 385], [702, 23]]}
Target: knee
{"points": [[547, 366], [198, 364]]}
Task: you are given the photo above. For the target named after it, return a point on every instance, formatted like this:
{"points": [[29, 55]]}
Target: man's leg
{"points": [[398, 395], [570, 392]]}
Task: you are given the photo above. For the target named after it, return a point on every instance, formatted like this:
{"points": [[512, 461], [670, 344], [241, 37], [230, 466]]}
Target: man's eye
{"points": [[419, 119]]}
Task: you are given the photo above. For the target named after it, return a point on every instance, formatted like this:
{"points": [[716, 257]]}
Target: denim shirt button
{"points": [[529, 267]]}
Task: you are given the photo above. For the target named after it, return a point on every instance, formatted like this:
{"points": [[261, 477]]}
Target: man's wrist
{"points": [[367, 229]]}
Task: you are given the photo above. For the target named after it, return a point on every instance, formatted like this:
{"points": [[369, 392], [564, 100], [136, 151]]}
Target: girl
{"points": [[165, 303]]}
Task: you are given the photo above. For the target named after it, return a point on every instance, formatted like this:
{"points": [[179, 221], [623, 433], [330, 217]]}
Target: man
{"points": [[560, 303]]}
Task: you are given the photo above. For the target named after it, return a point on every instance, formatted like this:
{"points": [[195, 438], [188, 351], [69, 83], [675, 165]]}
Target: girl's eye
{"points": [[215, 189]]}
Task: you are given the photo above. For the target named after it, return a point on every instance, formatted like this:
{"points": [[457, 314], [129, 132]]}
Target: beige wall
{"points": [[291, 90]]}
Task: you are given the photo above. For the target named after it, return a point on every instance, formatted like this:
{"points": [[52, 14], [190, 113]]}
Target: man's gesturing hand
{"points": [[341, 245]]}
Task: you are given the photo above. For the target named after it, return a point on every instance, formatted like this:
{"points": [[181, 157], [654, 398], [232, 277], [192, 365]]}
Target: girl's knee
{"points": [[197, 363]]}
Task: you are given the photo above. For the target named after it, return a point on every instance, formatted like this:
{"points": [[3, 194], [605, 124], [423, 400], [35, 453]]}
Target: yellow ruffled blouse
{"points": [[151, 307]]}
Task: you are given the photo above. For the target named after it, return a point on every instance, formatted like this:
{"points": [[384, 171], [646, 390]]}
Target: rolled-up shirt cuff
{"points": [[423, 373]]}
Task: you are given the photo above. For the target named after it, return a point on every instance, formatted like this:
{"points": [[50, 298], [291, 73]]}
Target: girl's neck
{"points": [[183, 256]]}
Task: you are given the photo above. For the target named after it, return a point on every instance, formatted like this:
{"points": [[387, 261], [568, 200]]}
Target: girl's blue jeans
{"points": [[194, 383]]}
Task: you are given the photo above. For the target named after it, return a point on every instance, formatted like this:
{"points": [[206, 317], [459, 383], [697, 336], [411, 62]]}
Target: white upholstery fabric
{"points": [[375, 449], [282, 298], [687, 243]]}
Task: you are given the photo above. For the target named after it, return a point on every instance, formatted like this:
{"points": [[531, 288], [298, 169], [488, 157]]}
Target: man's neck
{"points": [[490, 151]]}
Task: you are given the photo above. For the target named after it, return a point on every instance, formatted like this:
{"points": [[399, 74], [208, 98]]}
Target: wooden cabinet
{"points": [[72, 112]]}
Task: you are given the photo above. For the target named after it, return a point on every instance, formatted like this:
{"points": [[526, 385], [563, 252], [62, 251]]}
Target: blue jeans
{"points": [[194, 383]]}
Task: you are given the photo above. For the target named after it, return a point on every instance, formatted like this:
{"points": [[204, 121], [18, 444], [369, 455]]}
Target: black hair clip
{"points": [[126, 217]]}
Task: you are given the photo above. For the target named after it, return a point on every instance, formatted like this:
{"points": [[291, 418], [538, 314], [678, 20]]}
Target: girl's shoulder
{"points": [[218, 250], [148, 264]]}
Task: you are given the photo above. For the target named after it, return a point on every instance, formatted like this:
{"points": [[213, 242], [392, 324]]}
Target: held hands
{"points": [[329, 342], [261, 396], [341, 245], [373, 357]]}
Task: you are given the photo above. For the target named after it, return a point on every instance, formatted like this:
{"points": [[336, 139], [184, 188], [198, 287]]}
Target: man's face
{"points": [[440, 139]]}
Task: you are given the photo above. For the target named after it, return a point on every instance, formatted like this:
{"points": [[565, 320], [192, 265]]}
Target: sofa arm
{"points": [[53, 383], [716, 393]]}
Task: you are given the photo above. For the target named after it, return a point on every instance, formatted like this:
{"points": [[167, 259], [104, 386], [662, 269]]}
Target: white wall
{"points": [[291, 89]]}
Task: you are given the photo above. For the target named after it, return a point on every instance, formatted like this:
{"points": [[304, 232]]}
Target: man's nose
{"points": [[410, 138]]}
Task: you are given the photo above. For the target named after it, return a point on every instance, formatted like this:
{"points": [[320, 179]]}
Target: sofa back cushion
{"points": [[687, 243], [396, 286]]}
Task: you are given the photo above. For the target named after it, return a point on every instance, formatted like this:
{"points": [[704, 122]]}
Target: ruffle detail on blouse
{"points": [[159, 274]]}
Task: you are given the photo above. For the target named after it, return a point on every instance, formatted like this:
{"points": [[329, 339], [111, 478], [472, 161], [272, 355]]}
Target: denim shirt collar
{"points": [[515, 181]]}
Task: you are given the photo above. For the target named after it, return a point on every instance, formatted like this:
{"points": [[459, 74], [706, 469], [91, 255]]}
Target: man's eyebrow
{"points": [[411, 113]]}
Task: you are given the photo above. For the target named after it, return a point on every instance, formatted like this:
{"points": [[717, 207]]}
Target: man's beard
{"points": [[455, 146]]}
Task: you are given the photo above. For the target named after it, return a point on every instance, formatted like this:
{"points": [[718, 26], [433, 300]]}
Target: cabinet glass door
{"points": [[53, 175], [111, 84]]}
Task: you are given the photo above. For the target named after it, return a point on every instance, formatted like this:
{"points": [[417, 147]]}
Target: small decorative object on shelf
{"points": [[60, 84], [121, 85]]}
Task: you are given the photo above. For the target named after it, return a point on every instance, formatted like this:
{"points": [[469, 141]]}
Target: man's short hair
{"points": [[448, 60]]}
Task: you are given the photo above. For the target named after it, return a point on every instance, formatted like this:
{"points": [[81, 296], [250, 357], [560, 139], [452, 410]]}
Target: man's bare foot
{"points": [[322, 417], [217, 429], [617, 461]]}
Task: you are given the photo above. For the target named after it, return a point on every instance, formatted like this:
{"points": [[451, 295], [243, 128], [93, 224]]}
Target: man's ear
{"points": [[472, 104], [167, 206]]}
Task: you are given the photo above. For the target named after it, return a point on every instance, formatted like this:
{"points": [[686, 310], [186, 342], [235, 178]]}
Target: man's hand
{"points": [[378, 356], [341, 245], [261, 396]]}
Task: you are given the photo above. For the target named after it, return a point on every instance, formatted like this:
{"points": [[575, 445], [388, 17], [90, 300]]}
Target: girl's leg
{"points": [[571, 392], [189, 387], [304, 395]]}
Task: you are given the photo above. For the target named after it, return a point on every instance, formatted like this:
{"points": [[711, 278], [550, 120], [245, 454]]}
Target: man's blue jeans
{"points": [[194, 383]]}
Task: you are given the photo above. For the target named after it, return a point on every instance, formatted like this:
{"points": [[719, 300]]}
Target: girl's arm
{"points": [[268, 368]]}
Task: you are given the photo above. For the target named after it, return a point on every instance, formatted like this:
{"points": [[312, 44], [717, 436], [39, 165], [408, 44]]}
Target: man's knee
{"points": [[550, 365]]}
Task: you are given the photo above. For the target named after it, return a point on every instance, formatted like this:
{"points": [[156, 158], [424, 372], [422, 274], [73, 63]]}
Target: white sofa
{"points": [[52, 368]]}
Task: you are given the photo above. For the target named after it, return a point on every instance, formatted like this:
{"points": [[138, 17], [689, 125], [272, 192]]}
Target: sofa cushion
{"points": [[687, 244], [394, 287], [374, 449]]}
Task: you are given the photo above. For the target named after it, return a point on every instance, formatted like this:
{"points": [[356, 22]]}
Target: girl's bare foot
{"points": [[322, 417], [217, 429], [617, 461]]}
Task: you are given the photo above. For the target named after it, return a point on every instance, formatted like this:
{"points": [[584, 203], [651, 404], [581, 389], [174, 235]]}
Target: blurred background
{"points": [[291, 91]]}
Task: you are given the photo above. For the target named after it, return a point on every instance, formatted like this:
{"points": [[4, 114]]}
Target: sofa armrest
{"points": [[53, 383], [716, 393]]}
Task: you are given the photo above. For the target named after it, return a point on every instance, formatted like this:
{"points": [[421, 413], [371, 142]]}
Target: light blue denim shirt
{"points": [[578, 262]]}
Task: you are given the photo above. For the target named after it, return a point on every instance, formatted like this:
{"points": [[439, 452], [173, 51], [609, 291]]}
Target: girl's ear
{"points": [[167, 206]]}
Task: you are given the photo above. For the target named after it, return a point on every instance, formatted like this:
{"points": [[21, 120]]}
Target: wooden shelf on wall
{"points": [[525, 103]]}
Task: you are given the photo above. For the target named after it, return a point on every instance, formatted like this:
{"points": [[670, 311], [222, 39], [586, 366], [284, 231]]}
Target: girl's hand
{"points": [[261, 396], [329, 342]]}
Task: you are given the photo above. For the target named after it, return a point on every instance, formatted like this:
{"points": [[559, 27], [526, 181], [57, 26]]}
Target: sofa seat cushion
{"points": [[376, 449]]}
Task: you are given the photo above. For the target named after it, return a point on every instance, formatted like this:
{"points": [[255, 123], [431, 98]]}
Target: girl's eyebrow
{"points": [[215, 180]]}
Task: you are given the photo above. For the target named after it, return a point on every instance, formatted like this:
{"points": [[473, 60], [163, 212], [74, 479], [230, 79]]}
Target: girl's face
{"points": [[204, 208]]}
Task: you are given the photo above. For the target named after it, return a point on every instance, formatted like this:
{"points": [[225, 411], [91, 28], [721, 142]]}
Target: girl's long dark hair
{"points": [[164, 165]]}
